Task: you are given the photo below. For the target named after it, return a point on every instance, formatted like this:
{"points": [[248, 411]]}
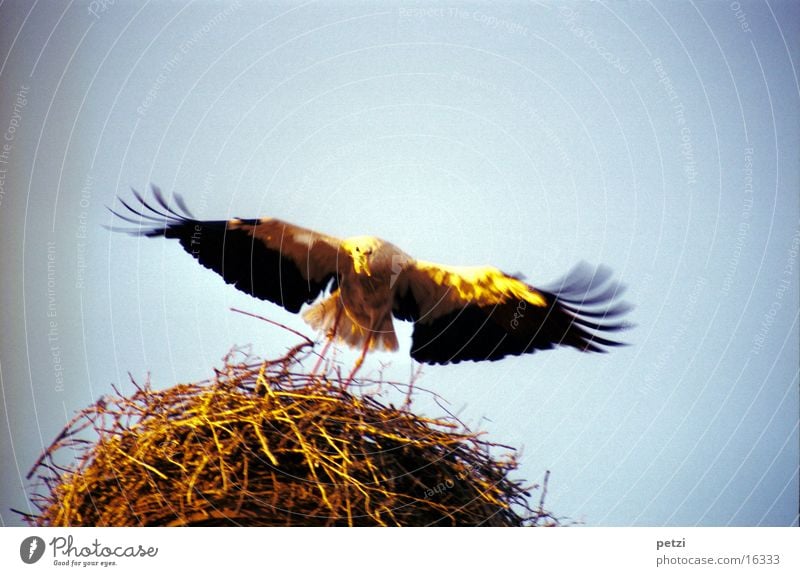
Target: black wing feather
{"points": [[235, 252], [579, 309]]}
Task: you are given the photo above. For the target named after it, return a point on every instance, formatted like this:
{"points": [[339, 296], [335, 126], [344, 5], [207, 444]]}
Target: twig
{"points": [[278, 324], [544, 492]]}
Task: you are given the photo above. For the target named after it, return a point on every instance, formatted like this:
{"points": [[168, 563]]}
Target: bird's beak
{"points": [[361, 264]]}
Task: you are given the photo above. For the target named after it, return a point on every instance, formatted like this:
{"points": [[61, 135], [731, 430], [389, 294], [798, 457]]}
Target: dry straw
{"points": [[269, 444]]}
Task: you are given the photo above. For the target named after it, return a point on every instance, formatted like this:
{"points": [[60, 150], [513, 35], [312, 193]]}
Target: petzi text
{"points": [[670, 543]]}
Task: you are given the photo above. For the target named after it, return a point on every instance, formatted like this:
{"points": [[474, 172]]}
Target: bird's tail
{"points": [[330, 316]]}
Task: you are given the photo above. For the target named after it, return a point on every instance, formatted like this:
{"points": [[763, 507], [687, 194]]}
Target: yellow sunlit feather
{"points": [[484, 285]]}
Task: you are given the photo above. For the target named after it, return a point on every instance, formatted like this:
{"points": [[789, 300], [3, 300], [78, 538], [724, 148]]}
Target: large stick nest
{"points": [[268, 444]]}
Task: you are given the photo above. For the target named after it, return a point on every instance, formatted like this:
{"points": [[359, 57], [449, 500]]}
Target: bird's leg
{"points": [[360, 360], [331, 335]]}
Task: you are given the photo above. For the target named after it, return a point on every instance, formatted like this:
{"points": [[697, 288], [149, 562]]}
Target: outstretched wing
{"points": [[265, 257], [482, 313]]}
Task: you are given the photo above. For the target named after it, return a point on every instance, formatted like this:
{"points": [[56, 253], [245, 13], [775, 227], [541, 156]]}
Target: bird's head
{"points": [[361, 250]]}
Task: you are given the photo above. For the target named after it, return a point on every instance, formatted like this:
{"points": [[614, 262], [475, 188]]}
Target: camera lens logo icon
{"points": [[31, 550]]}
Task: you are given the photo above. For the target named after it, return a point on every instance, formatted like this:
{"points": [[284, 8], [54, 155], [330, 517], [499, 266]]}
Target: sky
{"points": [[657, 138]]}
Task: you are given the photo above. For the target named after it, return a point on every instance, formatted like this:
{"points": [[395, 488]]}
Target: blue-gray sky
{"points": [[659, 138]]}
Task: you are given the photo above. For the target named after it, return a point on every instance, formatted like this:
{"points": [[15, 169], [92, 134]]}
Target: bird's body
{"points": [[360, 302], [459, 313]]}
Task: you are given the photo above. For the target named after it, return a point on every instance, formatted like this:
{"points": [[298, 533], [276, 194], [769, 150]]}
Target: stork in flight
{"points": [[459, 313]]}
